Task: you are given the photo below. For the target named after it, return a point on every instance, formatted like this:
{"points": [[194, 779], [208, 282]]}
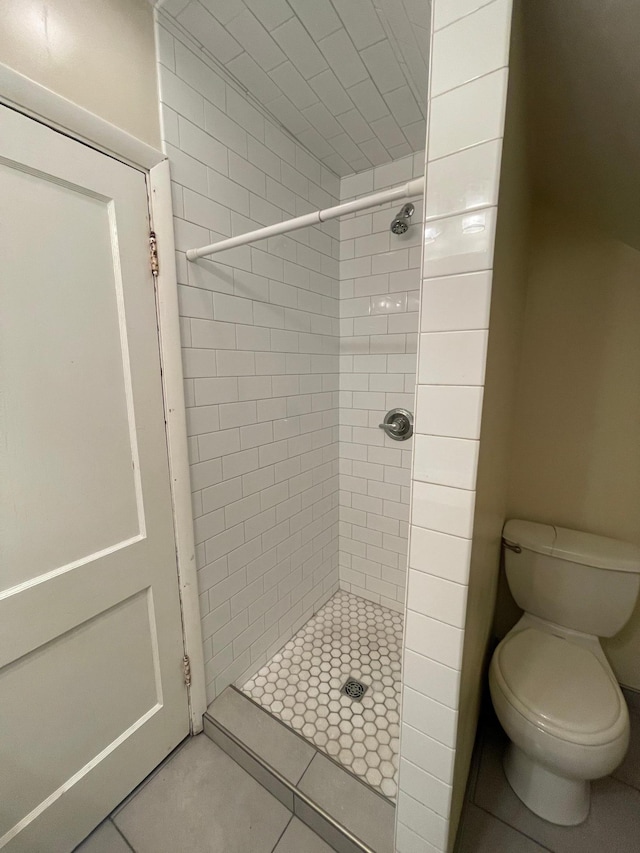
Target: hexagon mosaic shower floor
{"points": [[301, 684]]}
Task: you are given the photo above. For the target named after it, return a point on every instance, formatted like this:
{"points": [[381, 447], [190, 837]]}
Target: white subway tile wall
{"points": [[460, 56], [260, 328], [465, 126], [346, 78], [379, 283]]}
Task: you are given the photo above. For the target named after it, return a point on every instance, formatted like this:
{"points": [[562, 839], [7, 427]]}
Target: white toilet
{"points": [[552, 687]]}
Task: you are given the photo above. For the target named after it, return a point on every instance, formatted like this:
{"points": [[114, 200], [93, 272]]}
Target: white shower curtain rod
{"points": [[408, 190]]}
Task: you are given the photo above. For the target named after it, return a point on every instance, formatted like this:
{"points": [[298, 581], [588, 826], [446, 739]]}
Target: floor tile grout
{"points": [[133, 794], [628, 784], [122, 835], [280, 837], [307, 768], [482, 744], [204, 787], [515, 829]]}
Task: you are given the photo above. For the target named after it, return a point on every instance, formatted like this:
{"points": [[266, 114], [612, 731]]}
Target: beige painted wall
{"points": [[576, 441], [507, 309], [98, 53]]}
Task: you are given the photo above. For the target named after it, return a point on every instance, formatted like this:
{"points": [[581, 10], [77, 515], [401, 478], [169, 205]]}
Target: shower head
{"points": [[402, 221]]}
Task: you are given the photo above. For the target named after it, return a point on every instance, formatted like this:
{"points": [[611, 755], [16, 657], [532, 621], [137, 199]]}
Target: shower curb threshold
{"points": [[290, 793]]}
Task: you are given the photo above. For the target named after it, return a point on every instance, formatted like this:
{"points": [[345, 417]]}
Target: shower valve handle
{"points": [[398, 424]]}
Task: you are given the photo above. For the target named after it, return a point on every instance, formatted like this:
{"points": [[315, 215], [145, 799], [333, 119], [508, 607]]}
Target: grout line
{"points": [[319, 810], [622, 782], [514, 829], [425, 806], [346, 89], [170, 22], [435, 618], [474, 770], [122, 835], [504, 67], [464, 148], [462, 17], [279, 839], [199, 51], [166, 760], [467, 211], [437, 701], [308, 767]]}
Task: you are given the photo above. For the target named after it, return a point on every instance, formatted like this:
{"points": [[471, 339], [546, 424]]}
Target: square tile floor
{"points": [[494, 820], [201, 801], [263, 745], [301, 684]]}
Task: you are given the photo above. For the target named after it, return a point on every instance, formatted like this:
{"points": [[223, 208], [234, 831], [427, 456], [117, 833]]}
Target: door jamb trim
{"points": [[176, 430], [51, 109], [42, 104]]}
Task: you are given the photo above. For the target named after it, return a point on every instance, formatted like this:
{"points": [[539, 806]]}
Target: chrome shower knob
{"points": [[398, 424]]}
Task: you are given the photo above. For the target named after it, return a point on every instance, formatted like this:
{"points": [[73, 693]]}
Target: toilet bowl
{"points": [[557, 699], [552, 687]]}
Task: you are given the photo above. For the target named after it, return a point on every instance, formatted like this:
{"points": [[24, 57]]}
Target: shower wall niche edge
{"points": [[465, 127]]}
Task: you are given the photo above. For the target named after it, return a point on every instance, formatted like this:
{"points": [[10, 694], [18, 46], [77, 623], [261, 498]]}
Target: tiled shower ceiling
{"points": [[346, 77]]}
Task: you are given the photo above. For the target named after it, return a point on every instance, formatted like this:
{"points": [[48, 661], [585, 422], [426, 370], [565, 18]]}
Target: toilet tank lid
{"points": [[573, 545]]}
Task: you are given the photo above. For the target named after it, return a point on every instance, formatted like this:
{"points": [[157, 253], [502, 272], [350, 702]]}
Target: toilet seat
{"points": [[559, 687]]}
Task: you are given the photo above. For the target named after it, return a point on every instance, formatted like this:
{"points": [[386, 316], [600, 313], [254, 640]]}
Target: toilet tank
{"points": [[578, 580]]}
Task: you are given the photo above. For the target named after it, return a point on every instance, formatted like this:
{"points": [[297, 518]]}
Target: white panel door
{"points": [[92, 693]]}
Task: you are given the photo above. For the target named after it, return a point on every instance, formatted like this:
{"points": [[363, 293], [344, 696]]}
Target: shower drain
{"points": [[353, 688]]}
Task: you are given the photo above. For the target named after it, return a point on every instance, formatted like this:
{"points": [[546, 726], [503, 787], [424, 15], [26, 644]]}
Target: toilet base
{"points": [[552, 797]]}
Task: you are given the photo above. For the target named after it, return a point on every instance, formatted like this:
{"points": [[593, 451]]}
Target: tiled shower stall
{"points": [[295, 347], [293, 351]]}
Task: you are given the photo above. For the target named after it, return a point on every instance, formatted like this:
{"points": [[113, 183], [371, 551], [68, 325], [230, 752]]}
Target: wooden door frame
{"points": [[36, 101]]}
